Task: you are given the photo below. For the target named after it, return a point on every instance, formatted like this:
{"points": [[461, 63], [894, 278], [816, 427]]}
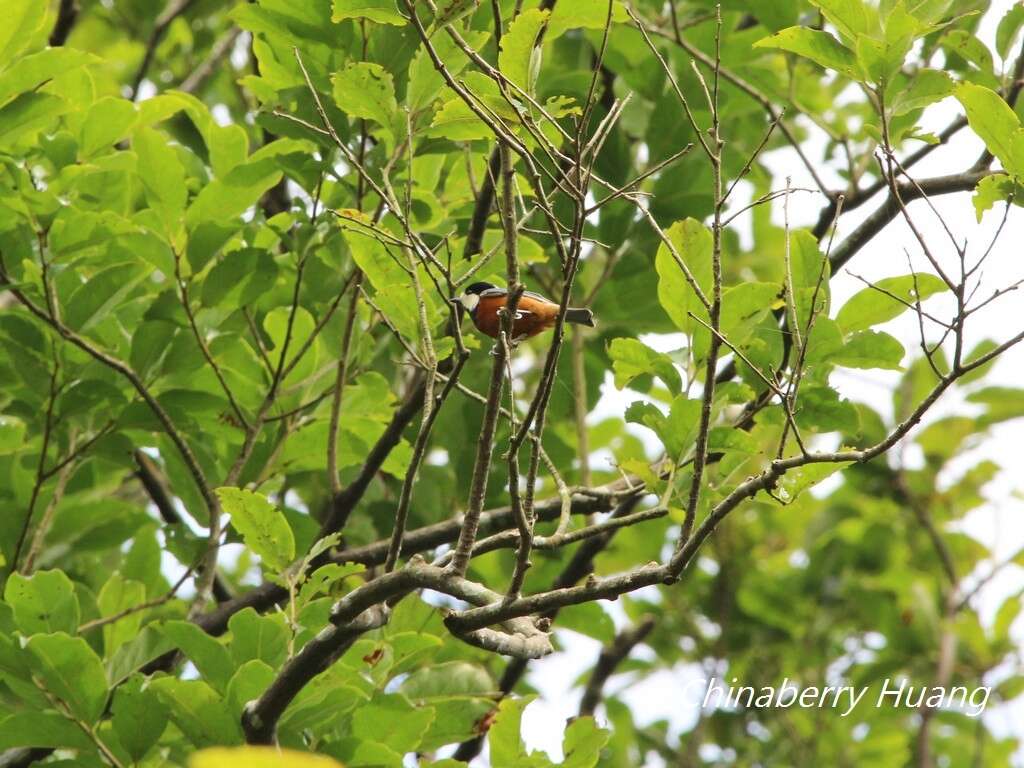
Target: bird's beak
{"points": [[456, 300]]}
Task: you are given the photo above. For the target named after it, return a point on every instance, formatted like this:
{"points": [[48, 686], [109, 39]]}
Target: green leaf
{"points": [[801, 479], [647, 415], [683, 418], [994, 189], [588, 14], [820, 408], [233, 194], [150, 644], [692, 242], [29, 113], [198, 711], [139, 716], [995, 123], [745, 308], [248, 683], [886, 299], [676, 430], [367, 90], [871, 57], [29, 73], [1010, 688], [962, 43], [371, 256], [208, 654], [42, 729], [398, 303], [810, 274], [460, 694], [452, 678], [120, 594], [12, 434], [240, 278], [588, 619], [457, 122], [1008, 29], [519, 57], [380, 11], [449, 11], [322, 703], [1006, 615], [583, 743], [1001, 403], [902, 29], [632, 358], [928, 87], [71, 671], [504, 740], [108, 121], [262, 526], [325, 577], [981, 349], [391, 720], [819, 47], [258, 637], [43, 602], [22, 21], [870, 349], [162, 175], [731, 439], [103, 293], [425, 82], [852, 18]]}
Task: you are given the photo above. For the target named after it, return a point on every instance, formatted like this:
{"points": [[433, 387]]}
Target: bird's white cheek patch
{"points": [[469, 301]]}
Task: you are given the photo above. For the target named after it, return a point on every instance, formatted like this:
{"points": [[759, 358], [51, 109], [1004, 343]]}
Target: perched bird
{"points": [[534, 313]]}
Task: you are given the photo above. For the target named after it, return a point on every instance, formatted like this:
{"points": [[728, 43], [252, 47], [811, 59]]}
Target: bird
{"points": [[534, 313]]}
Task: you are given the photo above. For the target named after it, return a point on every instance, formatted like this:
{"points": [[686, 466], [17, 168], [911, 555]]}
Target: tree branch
{"points": [[416, 541], [67, 15], [611, 656], [259, 719], [173, 10], [366, 608], [150, 476]]}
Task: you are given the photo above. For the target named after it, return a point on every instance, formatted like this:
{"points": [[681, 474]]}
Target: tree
{"points": [[262, 485]]}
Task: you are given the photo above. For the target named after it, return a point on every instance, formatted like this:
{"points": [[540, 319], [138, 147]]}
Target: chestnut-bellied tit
{"points": [[534, 313]]}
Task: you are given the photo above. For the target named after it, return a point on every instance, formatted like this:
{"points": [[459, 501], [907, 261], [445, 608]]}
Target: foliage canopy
{"points": [[261, 485]]}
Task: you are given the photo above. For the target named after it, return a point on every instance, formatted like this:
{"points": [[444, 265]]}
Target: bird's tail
{"points": [[580, 317]]}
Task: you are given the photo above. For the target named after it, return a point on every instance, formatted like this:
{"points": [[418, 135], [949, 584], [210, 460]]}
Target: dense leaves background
{"points": [[210, 312]]}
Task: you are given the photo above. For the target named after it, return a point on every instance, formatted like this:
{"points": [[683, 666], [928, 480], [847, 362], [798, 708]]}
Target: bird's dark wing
{"points": [[538, 297], [493, 292]]}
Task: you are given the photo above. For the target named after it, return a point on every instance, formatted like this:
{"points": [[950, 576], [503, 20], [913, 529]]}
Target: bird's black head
{"points": [[478, 288]]}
